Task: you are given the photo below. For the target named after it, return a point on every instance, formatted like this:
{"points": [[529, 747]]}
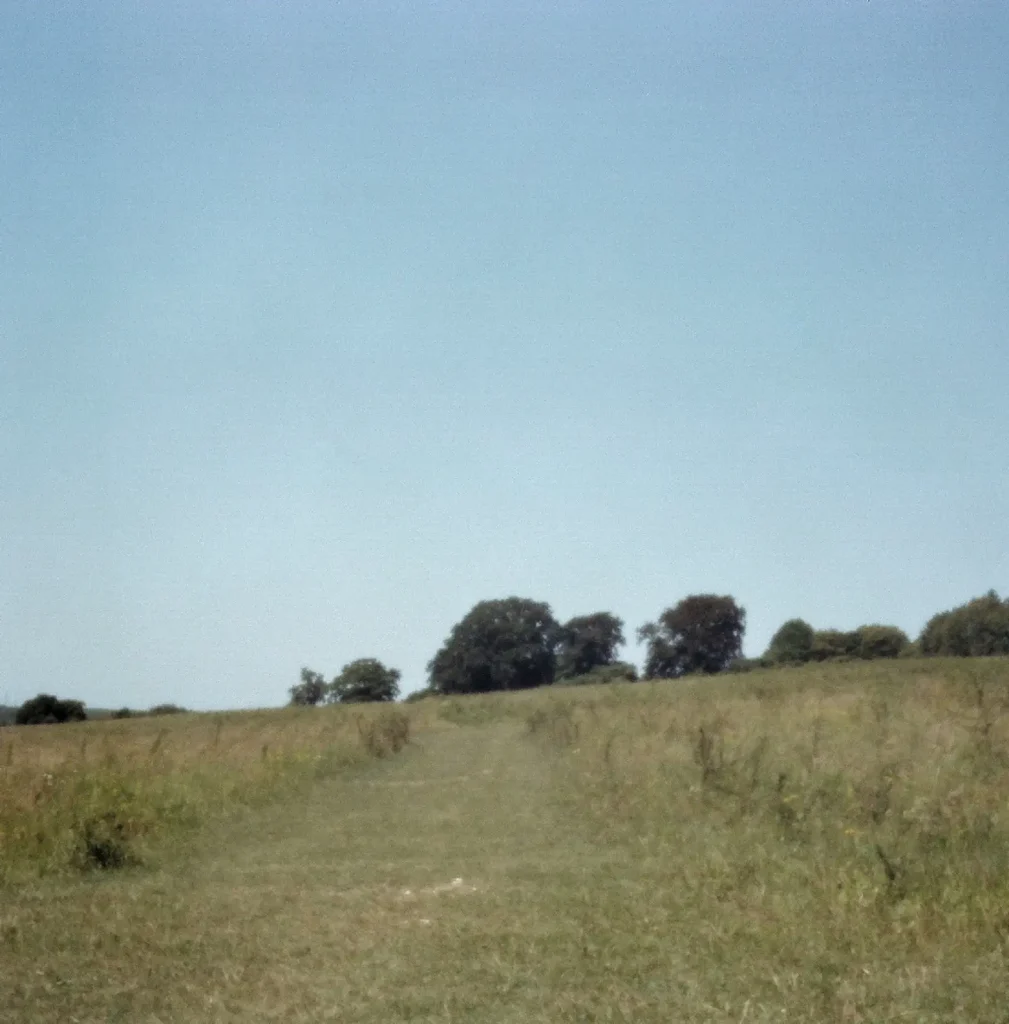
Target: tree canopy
{"points": [[881, 642], [365, 680], [703, 633], [311, 690], [978, 628], [792, 644], [507, 644], [588, 642], [46, 709]]}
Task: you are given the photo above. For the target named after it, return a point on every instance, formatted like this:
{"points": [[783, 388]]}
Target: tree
{"points": [[588, 642], [45, 709], [881, 642], [978, 628], [365, 680], [168, 709], [792, 644], [510, 644], [703, 633], [310, 691]]}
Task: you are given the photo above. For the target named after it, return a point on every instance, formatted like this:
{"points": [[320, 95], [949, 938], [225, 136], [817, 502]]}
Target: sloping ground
{"points": [[461, 881], [437, 886]]}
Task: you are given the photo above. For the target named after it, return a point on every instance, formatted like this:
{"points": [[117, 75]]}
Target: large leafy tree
{"points": [[510, 644], [588, 642], [364, 680], [703, 633]]}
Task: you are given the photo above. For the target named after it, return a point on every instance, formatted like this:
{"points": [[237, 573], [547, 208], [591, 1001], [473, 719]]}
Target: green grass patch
{"points": [[104, 795]]}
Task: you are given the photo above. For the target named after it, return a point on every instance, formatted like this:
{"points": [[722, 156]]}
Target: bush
{"points": [[881, 642], [168, 709], [978, 628], [618, 672], [834, 645], [45, 709], [792, 644]]}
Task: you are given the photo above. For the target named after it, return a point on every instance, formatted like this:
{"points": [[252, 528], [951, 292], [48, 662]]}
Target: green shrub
{"points": [[792, 644], [978, 628], [618, 672], [834, 645], [881, 642]]}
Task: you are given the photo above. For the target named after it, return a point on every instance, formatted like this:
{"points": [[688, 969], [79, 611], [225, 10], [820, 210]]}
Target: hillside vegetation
{"points": [[106, 793], [821, 843]]}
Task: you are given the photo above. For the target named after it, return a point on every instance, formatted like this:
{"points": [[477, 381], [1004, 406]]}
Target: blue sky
{"points": [[321, 322]]}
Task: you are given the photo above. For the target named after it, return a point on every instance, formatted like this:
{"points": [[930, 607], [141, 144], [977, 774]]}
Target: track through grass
{"points": [[528, 858], [343, 908]]}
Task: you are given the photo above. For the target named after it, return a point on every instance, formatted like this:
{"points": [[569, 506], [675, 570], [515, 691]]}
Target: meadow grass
{"points": [[105, 794], [809, 845], [831, 837]]}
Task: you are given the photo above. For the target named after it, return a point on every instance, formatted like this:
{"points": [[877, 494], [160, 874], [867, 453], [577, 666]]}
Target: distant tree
{"points": [[833, 645], [881, 642], [510, 644], [310, 691], [976, 629], [123, 713], [588, 642], [363, 681], [792, 644], [703, 633], [167, 709], [45, 709]]}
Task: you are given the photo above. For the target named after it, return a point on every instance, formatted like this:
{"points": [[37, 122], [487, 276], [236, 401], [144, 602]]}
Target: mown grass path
{"points": [[347, 908]]}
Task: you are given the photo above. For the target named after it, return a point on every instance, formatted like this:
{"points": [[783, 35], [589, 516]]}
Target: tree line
{"points": [[516, 643]]}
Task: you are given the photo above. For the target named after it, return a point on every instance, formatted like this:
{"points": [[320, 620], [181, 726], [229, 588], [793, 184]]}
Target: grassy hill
{"points": [[819, 844]]}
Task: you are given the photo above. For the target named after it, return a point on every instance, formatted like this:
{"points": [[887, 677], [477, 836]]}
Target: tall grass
{"points": [[105, 794], [839, 836]]}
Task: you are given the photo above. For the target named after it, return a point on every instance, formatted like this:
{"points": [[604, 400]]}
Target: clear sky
{"points": [[320, 322]]}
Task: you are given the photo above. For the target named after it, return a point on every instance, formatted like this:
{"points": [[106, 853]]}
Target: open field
{"points": [[89, 794], [821, 844]]}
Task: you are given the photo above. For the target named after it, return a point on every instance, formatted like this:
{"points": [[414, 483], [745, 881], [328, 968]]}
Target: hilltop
{"points": [[818, 844]]}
